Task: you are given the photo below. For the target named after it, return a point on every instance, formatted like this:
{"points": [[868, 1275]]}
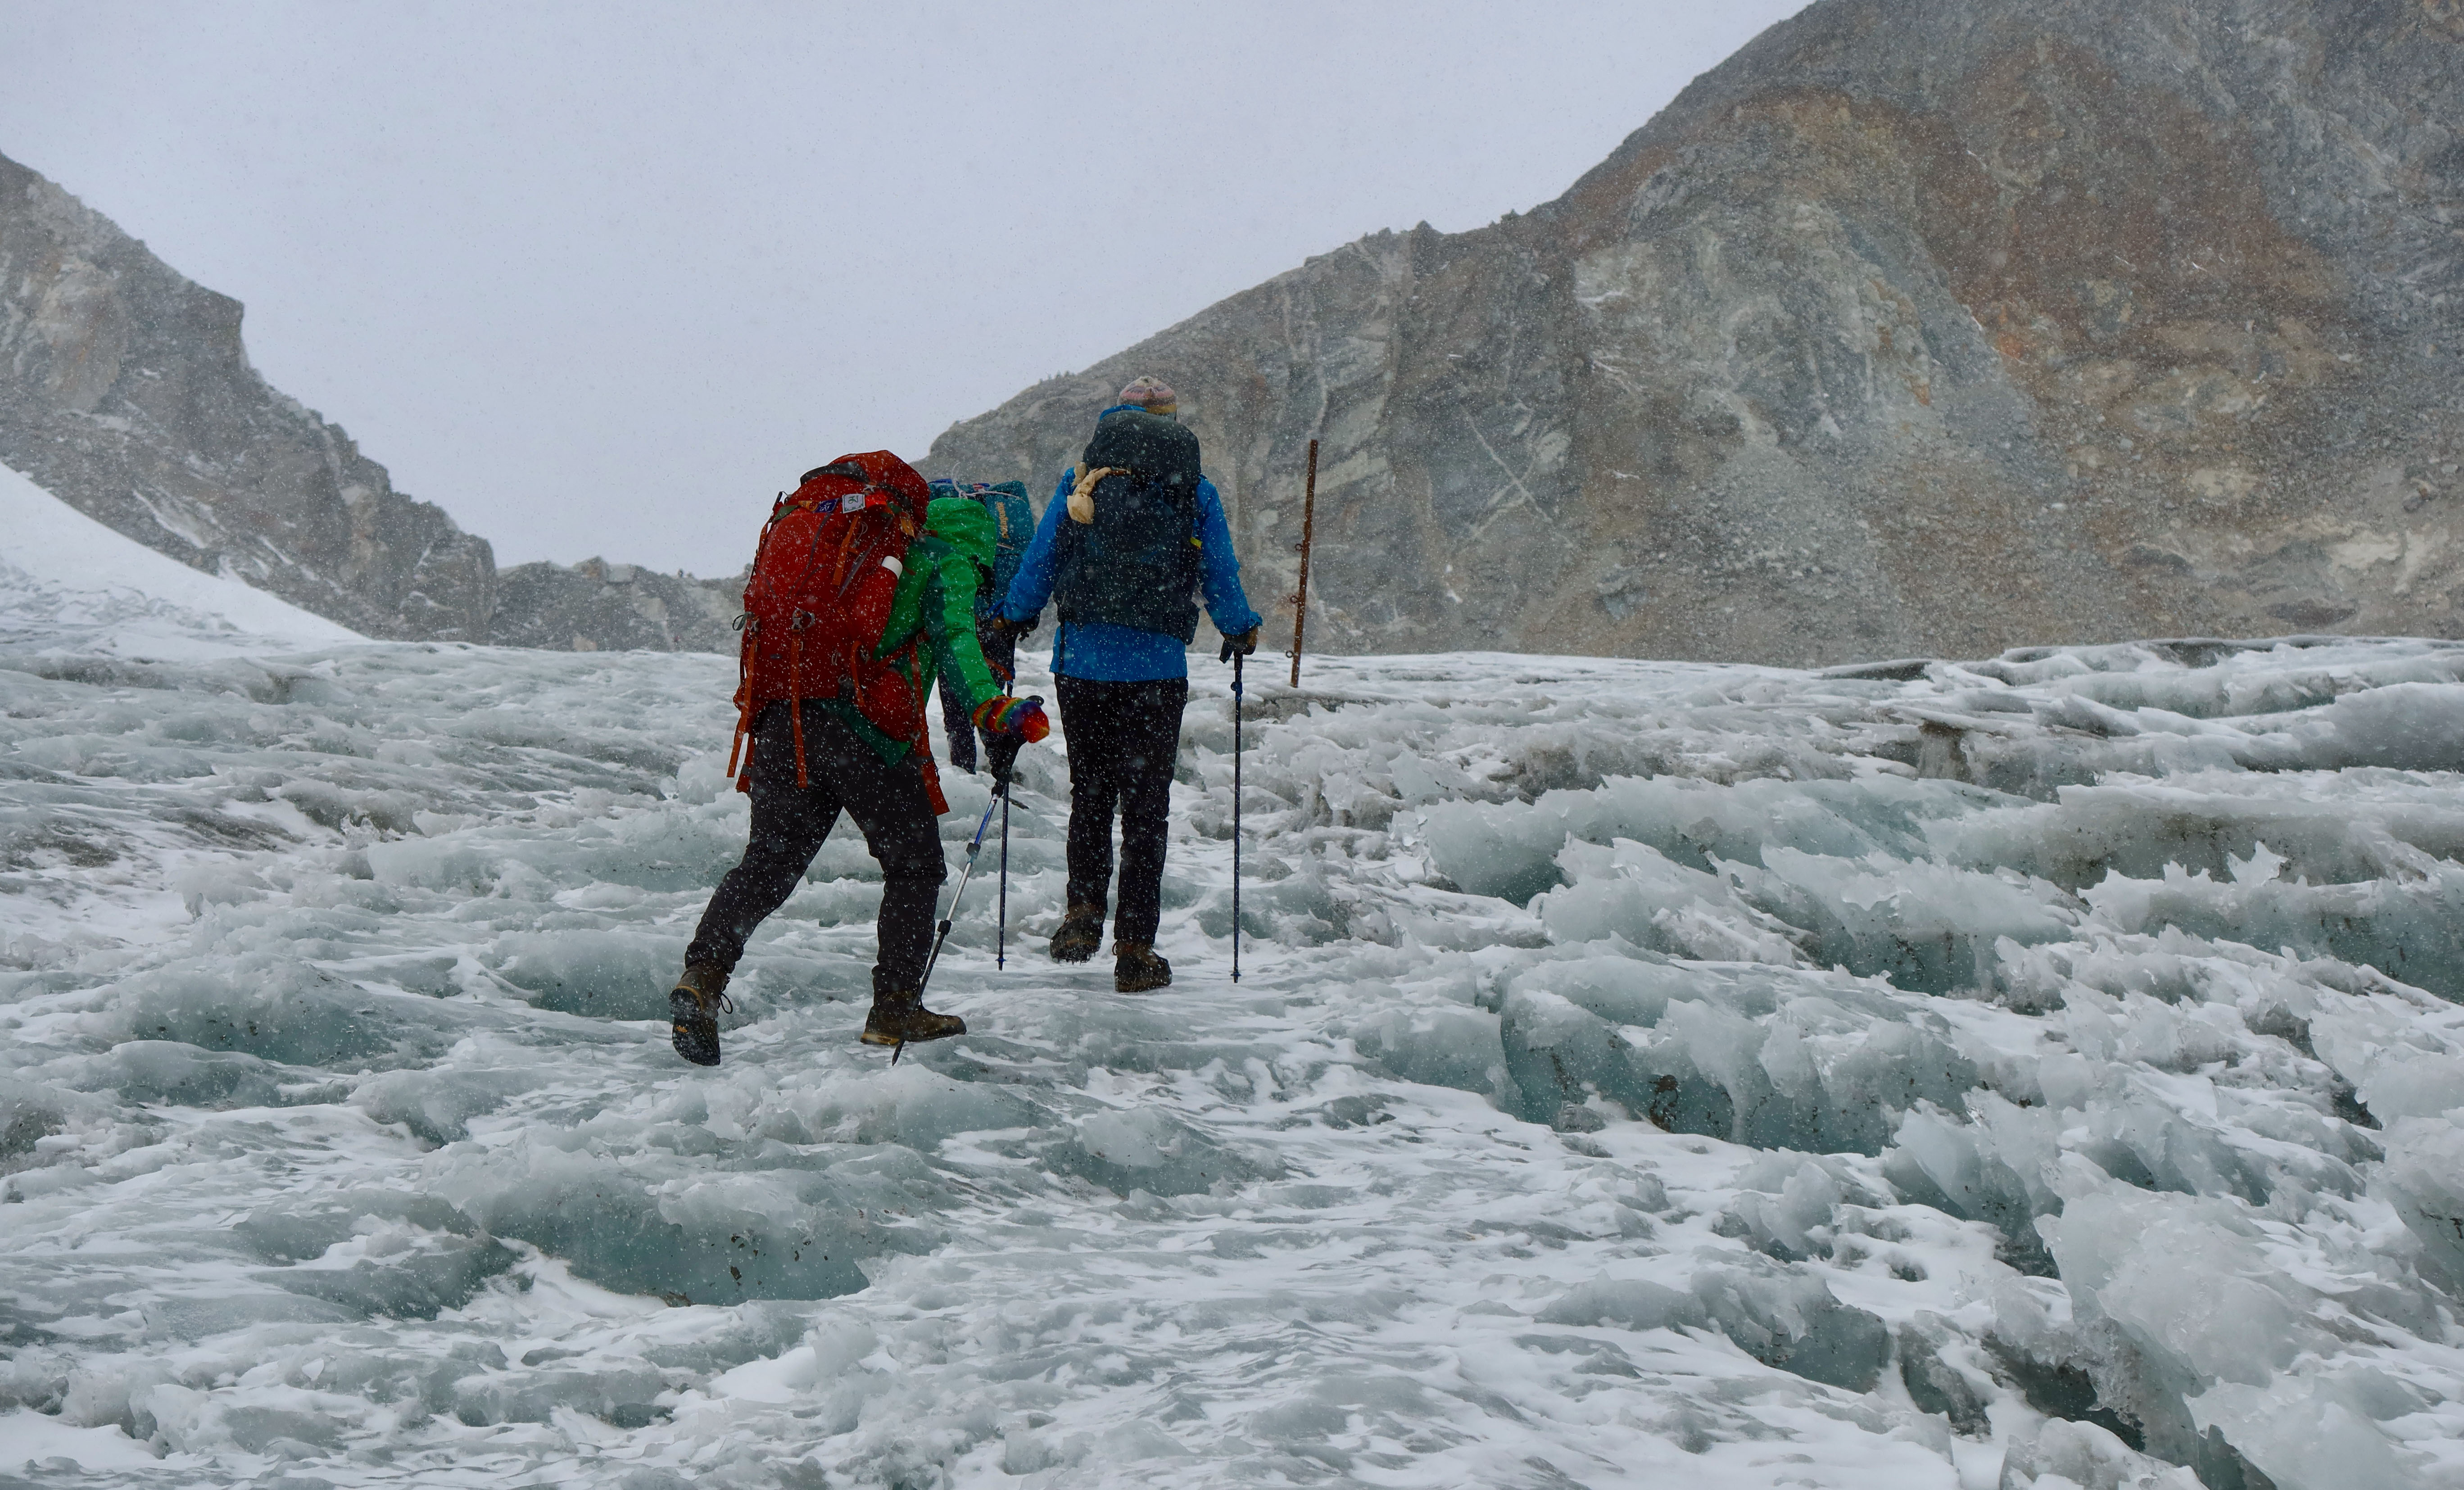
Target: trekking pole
{"points": [[1001, 791], [1000, 933], [1000, 921], [1002, 780], [1300, 595], [1235, 806]]}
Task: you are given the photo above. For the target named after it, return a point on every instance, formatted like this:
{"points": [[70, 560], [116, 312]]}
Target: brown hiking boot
{"points": [[1082, 931], [1137, 970], [901, 1019], [693, 1013]]}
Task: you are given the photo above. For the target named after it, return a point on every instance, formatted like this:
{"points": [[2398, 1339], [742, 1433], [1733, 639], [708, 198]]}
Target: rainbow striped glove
{"points": [[1022, 718]]}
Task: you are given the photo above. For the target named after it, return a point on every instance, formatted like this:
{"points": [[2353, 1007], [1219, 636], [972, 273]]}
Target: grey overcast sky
{"points": [[599, 279]]}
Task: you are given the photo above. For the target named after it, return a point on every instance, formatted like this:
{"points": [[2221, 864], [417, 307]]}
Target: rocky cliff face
{"points": [[1917, 326], [598, 607], [125, 391]]}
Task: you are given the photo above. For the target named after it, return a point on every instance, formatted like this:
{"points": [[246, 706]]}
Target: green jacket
{"points": [[936, 596]]}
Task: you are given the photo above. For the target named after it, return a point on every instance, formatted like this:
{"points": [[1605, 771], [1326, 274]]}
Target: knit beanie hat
{"points": [[1152, 394]]}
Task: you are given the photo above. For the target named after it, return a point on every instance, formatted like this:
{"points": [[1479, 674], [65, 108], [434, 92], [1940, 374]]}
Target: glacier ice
{"points": [[2042, 1071]]}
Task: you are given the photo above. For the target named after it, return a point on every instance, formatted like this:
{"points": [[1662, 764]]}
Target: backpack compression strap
{"points": [[1082, 496]]}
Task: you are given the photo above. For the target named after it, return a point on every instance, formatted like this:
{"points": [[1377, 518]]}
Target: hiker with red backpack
{"points": [[1134, 536], [862, 591]]}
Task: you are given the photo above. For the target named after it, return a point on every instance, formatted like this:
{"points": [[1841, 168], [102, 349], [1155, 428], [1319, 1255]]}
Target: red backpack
{"points": [[819, 600]]}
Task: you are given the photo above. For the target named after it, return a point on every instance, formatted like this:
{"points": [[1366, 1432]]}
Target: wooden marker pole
{"points": [[1300, 597]]}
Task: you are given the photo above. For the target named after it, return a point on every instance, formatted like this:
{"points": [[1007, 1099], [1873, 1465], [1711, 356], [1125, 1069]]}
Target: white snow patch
{"points": [[65, 573]]}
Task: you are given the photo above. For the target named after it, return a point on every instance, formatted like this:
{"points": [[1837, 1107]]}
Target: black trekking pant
{"points": [[1001, 654], [1123, 740], [789, 823]]}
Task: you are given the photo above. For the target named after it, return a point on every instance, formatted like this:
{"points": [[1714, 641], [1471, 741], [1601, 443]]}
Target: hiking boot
{"points": [[693, 1013], [1137, 970], [1082, 931], [901, 1019]]}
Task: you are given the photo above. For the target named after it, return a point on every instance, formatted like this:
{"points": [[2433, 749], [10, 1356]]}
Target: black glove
{"points": [[1002, 626], [1243, 645], [1001, 754]]}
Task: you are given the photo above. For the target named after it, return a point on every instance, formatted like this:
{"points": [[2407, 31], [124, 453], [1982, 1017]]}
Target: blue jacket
{"points": [[1100, 652]]}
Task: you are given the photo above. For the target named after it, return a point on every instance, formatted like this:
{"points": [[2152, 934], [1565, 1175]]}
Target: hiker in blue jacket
{"points": [[1133, 538]]}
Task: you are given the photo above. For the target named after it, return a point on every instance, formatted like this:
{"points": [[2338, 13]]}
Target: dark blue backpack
{"points": [[1137, 564]]}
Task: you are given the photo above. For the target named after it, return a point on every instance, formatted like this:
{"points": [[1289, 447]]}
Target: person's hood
{"points": [[961, 523]]}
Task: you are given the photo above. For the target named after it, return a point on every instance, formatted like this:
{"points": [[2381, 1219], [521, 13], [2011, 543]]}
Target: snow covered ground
{"points": [[1644, 1074], [67, 579]]}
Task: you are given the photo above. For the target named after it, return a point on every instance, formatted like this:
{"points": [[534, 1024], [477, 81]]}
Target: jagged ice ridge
{"points": [[1929, 1077]]}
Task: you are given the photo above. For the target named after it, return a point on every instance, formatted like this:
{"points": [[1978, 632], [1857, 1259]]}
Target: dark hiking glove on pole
{"points": [[1242, 646], [1000, 754]]}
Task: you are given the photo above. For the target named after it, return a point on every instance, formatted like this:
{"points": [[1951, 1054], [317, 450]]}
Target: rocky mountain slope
{"points": [[125, 391], [1917, 326], [596, 605]]}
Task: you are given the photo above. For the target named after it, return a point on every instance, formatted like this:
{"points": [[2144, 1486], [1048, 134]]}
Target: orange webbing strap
{"points": [[749, 657], [743, 696], [796, 692], [839, 568], [922, 747], [736, 746]]}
